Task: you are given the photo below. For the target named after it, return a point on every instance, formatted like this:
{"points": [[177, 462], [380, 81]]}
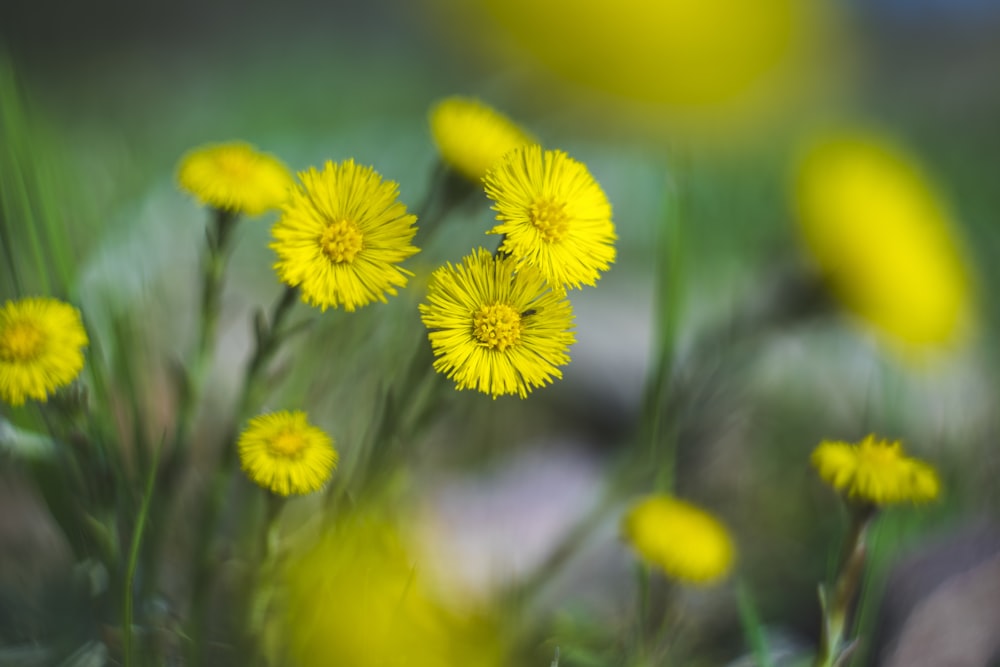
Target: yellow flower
{"points": [[341, 235], [471, 136], [41, 348], [875, 471], [282, 452], [356, 598], [235, 177], [882, 239], [553, 215], [686, 542], [497, 329], [680, 58]]}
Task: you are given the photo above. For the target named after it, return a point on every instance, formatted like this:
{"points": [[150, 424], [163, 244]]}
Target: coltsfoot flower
{"points": [[883, 239], [686, 542], [235, 177], [471, 136], [284, 453], [875, 471], [553, 215], [497, 328], [342, 235], [357, 598], [41, 348]]}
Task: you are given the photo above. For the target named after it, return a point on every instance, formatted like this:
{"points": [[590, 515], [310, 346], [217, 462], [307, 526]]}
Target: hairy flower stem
{"points": [[838, 603], [268, 335]]}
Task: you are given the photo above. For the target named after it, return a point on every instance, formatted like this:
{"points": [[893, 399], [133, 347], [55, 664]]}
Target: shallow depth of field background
{"points": [[117, 92]]}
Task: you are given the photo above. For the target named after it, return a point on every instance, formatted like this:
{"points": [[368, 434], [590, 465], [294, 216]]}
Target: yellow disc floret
{"points": [[41, 348], [285, 454]]}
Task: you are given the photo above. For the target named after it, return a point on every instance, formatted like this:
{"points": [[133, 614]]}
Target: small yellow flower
{"points": [[496, 329], [883, 239], [282, 452], [686, 542], [471, 137], [553, 215], [235, 177], [875, 471], [41, 348], [341, 235]]}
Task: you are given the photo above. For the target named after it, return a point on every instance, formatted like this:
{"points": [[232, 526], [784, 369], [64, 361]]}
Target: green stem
{"points": [[268, 337], [133, 559], [837, 607]]}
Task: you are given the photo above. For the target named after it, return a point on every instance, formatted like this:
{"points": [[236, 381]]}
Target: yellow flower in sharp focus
{"points": [[282, 452], [41, 348], [356, 597], [497, 328], [471, 137], [553, 215], [875, 471], [883, 239], [341, 236], [686, 542], [235, 177]]}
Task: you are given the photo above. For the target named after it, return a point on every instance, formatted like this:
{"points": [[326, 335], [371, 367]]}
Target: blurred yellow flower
{"points": [[41, 348], [686, 542], [497, 328], [680, 57], [284, 453], [235, 177], [356, 598], [875, 471], [882, 239], [553, 215], [341, 235], [471, 137]]}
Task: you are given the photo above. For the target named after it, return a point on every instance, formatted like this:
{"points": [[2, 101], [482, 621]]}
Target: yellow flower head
{"points": [[282, 452], [875, 471], [235, 177], [471, 137], [553, 215], [497, 329], [341, 235], [356, 598], [686, 542], [882, 239], [41, 348]]}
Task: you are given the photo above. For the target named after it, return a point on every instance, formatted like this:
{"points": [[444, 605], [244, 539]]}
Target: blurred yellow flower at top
{"points": [[553, 215], [235, 177], [883, 239], [285, 454], [41, 348], [342, 235], [471, 136], [689, 55], [875, 471], [686, 542], [356, 598]]}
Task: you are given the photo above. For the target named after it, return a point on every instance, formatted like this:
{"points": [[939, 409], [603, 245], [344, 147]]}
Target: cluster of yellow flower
{"points": [[499, 322]]}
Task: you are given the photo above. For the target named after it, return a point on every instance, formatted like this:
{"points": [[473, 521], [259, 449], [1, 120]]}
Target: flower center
{"points": [[497, 326], [21, 341], [341, 241], [550, 219], [287, 445], [234, 165]]}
